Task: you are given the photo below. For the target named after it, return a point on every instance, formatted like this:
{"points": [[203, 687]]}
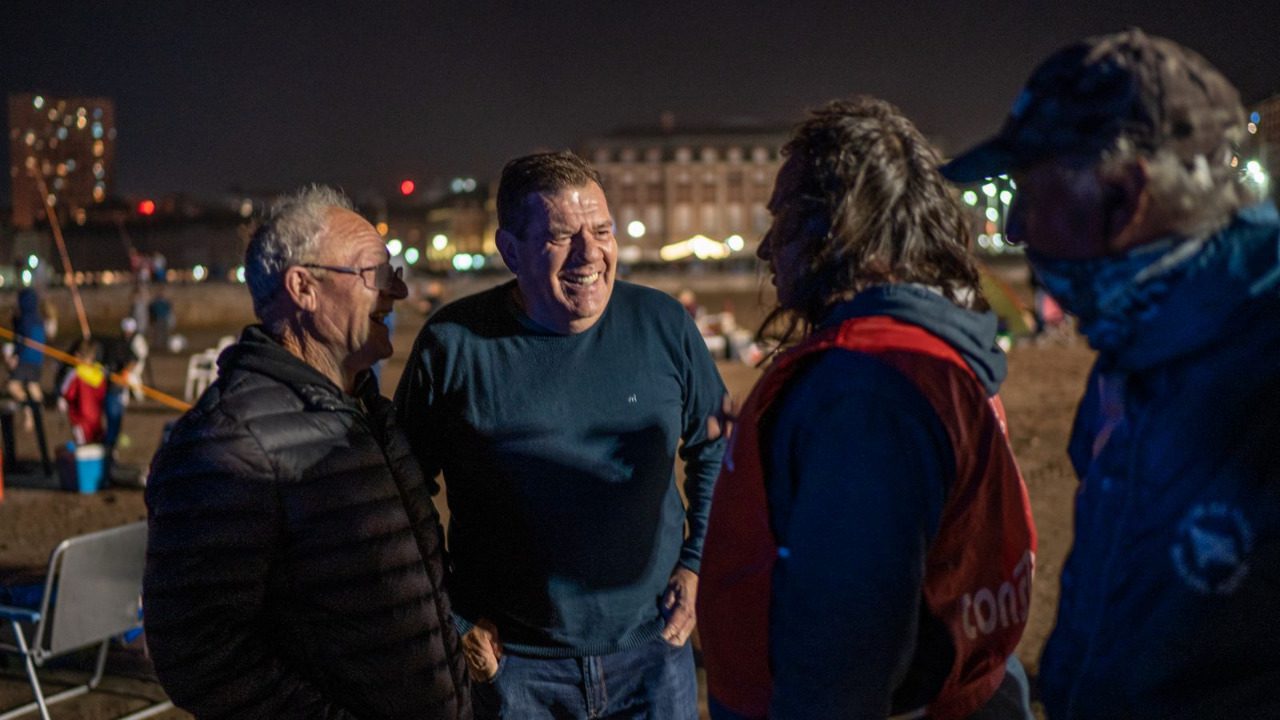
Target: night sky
{"points": [[214, 95]]}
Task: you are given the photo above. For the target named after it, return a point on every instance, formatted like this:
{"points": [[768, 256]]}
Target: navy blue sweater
{"points": [[558, 456]]}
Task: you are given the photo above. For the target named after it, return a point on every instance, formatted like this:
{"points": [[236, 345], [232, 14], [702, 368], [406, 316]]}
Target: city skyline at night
{"points": [[274, 95]]}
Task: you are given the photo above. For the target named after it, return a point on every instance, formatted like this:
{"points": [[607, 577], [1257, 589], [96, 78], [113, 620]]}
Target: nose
{"points": [[1015, 224], [589, 246], [764, 250]]}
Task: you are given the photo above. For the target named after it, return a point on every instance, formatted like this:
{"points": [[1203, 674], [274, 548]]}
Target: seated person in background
{"points": [[83, 395]]}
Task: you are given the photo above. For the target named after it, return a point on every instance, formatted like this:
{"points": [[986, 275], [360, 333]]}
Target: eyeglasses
{"points": [[375, 277]]}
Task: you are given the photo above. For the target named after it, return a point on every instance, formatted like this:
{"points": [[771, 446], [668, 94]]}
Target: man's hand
{"points": [[482, 649], [678, 606], [720, 423]]}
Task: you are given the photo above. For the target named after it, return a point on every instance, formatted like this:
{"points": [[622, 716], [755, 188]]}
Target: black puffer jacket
{"points": [[285, 565]]}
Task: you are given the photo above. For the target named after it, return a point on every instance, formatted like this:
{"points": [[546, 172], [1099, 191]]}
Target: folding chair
{"points": [[91, 595]]}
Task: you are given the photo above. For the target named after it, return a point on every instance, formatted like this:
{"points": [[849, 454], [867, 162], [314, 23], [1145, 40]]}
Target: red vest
{"points": [[978, 568]]}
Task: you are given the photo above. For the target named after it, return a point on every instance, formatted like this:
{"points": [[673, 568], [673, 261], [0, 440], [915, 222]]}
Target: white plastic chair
{"points": [[202, 370], [91, 595]]}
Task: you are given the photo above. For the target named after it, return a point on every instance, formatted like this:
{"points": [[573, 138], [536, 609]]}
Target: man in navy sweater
{"points": [[554, 406]]}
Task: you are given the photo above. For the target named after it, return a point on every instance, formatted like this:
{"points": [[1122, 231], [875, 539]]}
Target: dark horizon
{"points": [[211, 97]]}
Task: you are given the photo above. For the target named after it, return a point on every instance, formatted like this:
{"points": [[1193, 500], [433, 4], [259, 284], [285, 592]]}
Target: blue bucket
{"points": [[81, 468]]}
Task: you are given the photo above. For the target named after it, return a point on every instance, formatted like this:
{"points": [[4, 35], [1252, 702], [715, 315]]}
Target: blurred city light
{"points": [[406, 187], [382, 228], [462, 261], [33, 262], [735, 242], [411, 256], [1255, 174], [635, 229], [1006, 197], [440, 242], [989, 190], [459, 185], [240, 274], [394, 246], [38, 102], [630, 254], [993, 215], [147, 207], [699, 246], [198, 272], [477, 262], [1253, 128], [1253, 117], [26, 278], [970, 197]]}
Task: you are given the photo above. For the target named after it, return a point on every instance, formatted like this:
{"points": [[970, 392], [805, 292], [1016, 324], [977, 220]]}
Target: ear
{"points": [[302, 288], [1127, 206], [506, 242]]}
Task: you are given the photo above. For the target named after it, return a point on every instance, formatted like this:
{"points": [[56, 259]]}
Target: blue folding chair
{"points": [[91, 595]]}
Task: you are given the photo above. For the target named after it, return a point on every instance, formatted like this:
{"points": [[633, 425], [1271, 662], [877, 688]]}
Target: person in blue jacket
{"points": [[1138, 216], [27, 363]]}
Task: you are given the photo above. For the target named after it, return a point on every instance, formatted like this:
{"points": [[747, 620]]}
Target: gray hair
{"points": [[287, 237], [1195, 197]]}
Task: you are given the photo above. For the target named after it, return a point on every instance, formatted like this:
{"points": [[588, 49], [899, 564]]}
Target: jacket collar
{"points": [[1233, 277], [258, 352]]}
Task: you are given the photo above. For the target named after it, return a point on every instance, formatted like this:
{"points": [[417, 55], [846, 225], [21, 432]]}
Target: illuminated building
{"points": [[70, 143], [668, 185]]}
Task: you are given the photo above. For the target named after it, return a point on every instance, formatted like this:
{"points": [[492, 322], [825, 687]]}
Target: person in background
{"points": [[870, 547], [26, 364], [83, 395], [1138, 217], [161, 319], [139, 350]]}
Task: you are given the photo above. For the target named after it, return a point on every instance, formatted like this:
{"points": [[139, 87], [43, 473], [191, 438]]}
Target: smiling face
{"points": [[350, 318], [566, 260]]}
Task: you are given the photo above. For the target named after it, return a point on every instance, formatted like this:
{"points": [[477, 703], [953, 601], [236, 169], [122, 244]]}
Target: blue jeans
{"points": [[653, 681]]}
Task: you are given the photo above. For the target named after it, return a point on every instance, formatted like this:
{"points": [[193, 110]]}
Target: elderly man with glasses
{"points": [[294, 566]]}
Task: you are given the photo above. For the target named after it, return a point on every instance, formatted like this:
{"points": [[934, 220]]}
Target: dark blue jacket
{"points": [[28, 324], [1170, 600]]}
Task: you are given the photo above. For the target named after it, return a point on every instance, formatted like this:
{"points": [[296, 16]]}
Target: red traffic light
{"points": [[147, 207], [406, 187]]}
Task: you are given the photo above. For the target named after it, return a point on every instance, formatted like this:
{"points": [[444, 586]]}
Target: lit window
{"points": [[99, 193], [82, 122], [97, 148], [62, 133]]}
